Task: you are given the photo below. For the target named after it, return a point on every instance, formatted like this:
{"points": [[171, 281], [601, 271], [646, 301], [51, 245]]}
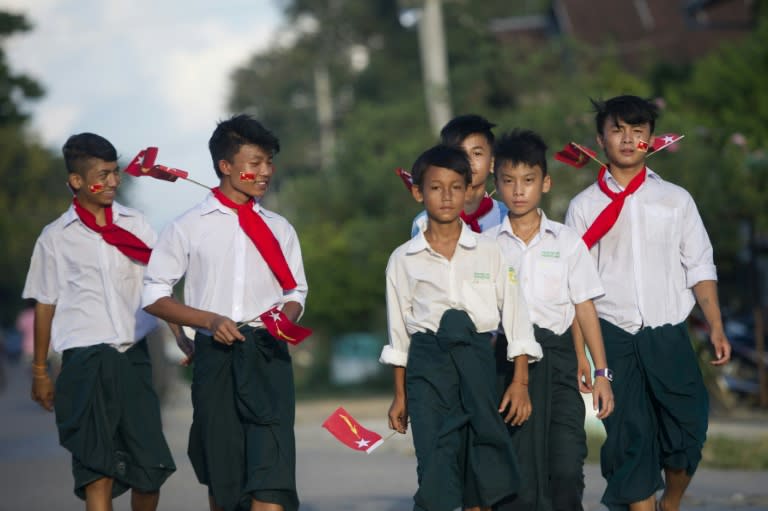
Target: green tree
{"points": [[34, 189]]}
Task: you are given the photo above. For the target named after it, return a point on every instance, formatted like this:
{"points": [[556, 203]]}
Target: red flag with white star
{"points": [[349, 432], [278, 324], [666, 140]]}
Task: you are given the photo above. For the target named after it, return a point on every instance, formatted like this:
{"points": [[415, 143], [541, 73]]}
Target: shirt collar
{"points": [[467, 239], [118, 210], [211, 204], [546, 225], [615, 184]]}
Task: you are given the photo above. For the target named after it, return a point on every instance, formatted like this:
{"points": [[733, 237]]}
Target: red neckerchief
{"points": [[610, 214], [262, 237], [113, 234], [472, 219]]}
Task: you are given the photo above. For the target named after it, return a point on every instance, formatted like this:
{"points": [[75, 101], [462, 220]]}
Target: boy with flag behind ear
{"points": [[85, 275], [244, 279], [472, 134], [448, 289], [655, 262]]}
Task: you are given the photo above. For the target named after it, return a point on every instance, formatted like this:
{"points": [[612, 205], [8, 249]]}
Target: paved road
{"points": [[35, 473]]}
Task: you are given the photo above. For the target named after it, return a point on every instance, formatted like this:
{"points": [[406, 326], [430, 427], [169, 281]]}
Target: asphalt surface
{"points": [[35, 470]]}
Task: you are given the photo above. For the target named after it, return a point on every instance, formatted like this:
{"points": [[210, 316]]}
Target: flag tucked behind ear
{"points": [[405, 176], [575, 155], [349, 432]]}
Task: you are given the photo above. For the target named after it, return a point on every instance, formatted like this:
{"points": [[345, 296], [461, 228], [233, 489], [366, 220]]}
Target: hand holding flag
{"points": [[349, 432], [278, 324]]}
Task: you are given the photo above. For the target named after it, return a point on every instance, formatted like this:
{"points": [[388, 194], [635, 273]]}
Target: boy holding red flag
{"points": [[448, 290], [243, 269], [85, 275], [655, 262]]}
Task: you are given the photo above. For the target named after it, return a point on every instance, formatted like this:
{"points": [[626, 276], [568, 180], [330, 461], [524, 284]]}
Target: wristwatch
{"points": [[606, 373]]}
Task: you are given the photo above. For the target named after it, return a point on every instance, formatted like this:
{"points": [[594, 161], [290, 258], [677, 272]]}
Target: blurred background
{"points": [[355, 89]]}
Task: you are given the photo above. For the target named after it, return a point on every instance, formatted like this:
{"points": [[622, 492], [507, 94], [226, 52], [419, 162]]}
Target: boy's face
{"points": [[442, 192], [249, 172], [521, 187], [480, 156], [620, 142], [98, 185]]}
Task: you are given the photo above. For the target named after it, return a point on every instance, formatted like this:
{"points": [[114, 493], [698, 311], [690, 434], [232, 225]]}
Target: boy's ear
{"points": [[75, 181], [416, 192], [547, 184], [600, 142], [225, 167], [493, 159]]}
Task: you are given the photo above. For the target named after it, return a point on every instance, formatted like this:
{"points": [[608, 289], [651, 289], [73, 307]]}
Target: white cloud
{"points": [[140, 73]]}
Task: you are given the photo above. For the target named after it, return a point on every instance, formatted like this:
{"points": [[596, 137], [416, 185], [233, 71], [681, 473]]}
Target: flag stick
{"points": [[584, 150], [667, 145], [198, 183]]}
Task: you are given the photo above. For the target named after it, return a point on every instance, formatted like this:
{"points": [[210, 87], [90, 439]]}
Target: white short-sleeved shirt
{"points": [[657, 250], [491, 219], [96, 288], [422, 284], [554, 269], [225, 273]]}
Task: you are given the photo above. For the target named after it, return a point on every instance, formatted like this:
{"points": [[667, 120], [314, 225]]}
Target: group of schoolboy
{"points": [[490, 305]]}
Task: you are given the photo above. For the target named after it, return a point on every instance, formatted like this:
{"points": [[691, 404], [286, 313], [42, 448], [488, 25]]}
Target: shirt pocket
{"points": [[660, 224], [549, 281], [479, 300]]}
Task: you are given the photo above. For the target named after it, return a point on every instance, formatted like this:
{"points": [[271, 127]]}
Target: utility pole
{"points": [[434, 65]]}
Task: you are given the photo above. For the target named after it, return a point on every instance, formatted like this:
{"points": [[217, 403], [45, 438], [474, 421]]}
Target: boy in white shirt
{"points": [[447, 291], [559, 281], [655, 261], [85, 275], [241, 442]]}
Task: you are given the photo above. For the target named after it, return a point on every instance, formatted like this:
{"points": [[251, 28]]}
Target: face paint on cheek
{"points": [[248, 177], [96, 188], [642, 145]]}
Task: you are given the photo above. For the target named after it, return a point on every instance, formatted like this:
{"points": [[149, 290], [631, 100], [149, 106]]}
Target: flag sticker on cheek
{"points": [[96, 188], [249, 177], [642, 145]]}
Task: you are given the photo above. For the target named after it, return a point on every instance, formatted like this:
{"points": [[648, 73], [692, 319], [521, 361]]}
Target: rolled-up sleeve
{"points": [[398, 304], [514, 316], [696, 249], [167, 265], [292, 250]]}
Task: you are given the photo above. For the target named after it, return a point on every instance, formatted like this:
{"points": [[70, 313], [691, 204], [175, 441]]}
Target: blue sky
{"points": [[141, 73]]}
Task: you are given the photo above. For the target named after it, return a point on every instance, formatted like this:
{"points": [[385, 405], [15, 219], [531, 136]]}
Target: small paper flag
{"points": [[666, 140], [278, 324], [406, 177], [349, 432], [575, 155]]}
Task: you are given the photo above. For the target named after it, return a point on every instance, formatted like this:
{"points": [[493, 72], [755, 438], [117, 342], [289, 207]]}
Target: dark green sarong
{"points": [[108, 417], [551, 445], [241, 443], [465, 456], [660, 418]]}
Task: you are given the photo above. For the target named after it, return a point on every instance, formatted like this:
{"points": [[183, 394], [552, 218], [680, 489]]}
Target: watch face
{"points": [[606, 373]]}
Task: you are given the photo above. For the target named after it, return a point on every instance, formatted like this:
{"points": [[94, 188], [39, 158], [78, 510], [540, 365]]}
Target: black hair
{"points": [[520, 146], [459, 128], [235, 132], [80, 148], [631, 109], [441, 155]]}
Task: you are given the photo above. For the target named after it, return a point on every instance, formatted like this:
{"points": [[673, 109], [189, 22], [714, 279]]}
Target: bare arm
{"points": [[589, 325], [516, 396], [223, 329], [292, 310], [584, 370], [706, 296], [42, 387], [398, 410]]}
